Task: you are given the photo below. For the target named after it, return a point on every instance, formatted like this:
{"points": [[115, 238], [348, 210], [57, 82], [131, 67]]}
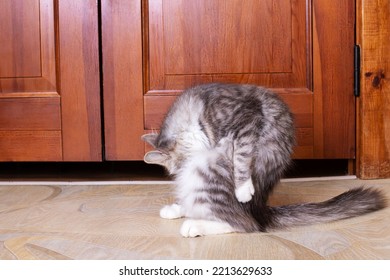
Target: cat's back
{"points": [[219, 109], [235, 98], [228, 107]]}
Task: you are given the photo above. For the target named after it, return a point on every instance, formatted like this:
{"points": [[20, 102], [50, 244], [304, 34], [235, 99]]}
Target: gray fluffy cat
{"points": [[227, 146]]}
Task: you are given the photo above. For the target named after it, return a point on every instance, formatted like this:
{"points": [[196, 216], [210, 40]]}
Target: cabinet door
{"points": [[301, 49], [49, 81]]}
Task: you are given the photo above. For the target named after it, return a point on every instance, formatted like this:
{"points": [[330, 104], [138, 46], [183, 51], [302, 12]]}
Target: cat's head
{"points": [[165, 152]]}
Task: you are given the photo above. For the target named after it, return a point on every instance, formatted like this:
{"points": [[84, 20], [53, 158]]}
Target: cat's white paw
{"points": [[173, 211], [245, 192], [191, 228], [194, 228]]}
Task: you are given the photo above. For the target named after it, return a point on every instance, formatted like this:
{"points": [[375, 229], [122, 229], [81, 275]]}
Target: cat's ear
{"points": [[155, 157], [150, 138]]}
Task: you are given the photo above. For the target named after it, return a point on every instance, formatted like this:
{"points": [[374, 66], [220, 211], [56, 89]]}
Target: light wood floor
{"points": [[122, 222]]}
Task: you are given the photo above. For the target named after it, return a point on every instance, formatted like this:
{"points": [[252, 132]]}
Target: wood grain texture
{"points": [[373, 33], [30, 113], [333, 41], [79, 80], [20, 56], [200, 41], [30, 129], [27, 46], [30, 145], [122, 222], [122, 80]]}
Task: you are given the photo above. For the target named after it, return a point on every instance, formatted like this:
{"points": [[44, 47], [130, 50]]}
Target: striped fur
{"points": [[227, 147]]}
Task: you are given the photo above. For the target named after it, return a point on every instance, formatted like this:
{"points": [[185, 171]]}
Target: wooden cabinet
{"points": [[49, 81], [302, 49], [56, 68]]}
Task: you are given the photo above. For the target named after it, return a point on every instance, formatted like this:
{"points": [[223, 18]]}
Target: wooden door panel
{"points": [[192, 32], [30, 113], [30, 122], [300, 102], [27, 47], [258, 42], [30, 145], [36, 93], [200, 41], [20, 38]]}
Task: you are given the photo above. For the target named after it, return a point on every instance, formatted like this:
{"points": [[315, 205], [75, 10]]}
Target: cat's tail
{"points": [[352, 203]]}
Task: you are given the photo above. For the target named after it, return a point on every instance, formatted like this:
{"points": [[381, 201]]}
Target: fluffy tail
{"points": [[352, 203]]}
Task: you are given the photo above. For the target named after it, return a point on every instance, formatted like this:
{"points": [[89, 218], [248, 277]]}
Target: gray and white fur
{"points": [[227, 146]]}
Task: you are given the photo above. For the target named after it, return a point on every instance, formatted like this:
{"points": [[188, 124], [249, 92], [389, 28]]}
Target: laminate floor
{"points": [[121, 221]]}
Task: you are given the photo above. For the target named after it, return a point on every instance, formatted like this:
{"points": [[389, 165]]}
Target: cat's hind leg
{"points": [[242, 160], [173, 211], [194, 228]]}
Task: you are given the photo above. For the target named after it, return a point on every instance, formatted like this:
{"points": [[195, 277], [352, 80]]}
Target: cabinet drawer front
{"points": [[301, 104]]}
